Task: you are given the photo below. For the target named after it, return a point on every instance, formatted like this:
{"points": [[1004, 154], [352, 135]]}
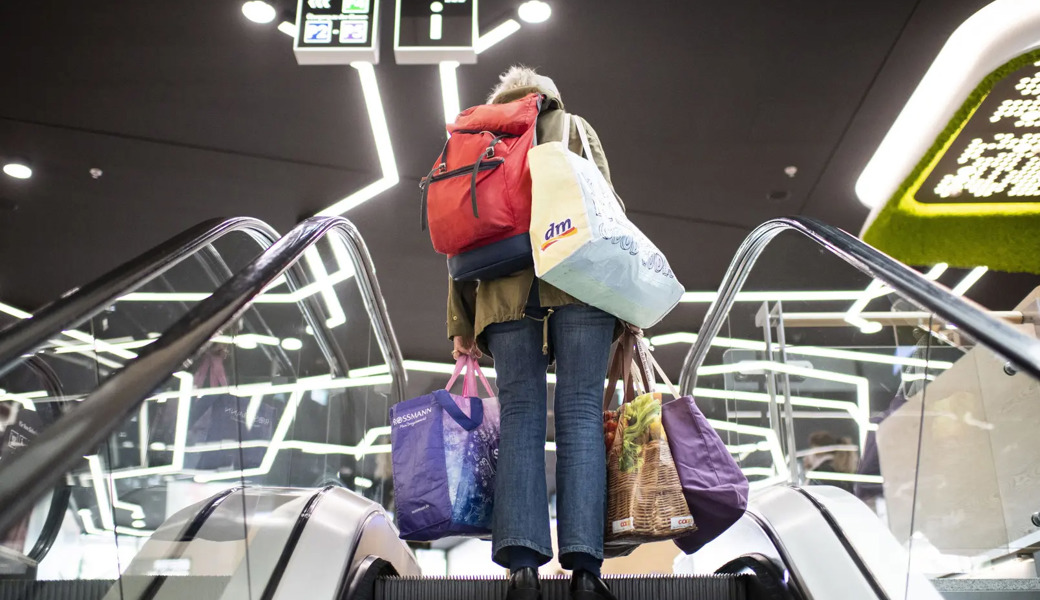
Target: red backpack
{"points": [[477, 197]]}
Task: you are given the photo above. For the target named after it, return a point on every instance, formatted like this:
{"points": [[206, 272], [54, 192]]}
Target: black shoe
{"points": [[523, 585], [586, 586]]}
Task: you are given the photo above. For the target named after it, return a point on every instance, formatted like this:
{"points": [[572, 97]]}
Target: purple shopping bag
{"points": [[715, 488], [444, 460]]}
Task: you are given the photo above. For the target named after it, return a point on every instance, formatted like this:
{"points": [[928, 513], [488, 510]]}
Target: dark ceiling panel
{"points": [[193, 112]]}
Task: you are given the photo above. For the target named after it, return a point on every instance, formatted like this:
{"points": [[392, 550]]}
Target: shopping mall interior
{"points": [[218, 282]]}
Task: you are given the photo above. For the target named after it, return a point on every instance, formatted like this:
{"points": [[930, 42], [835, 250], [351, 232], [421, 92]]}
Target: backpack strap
{"points": [[489, 152], [424, 185]]}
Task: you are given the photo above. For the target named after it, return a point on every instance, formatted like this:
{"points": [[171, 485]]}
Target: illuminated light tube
{"points": [[969, 280], [861, 413], [328, 293], [288, 29], [322, 382], [936, 271], [88, 522], [684, 337], [874, 289], [496, 35], [25, 399], [877, 289], [98, 480], [992, 36], [450, 90], [265, 298], [14, 312], [826, 476], [99, 345], [84, 348], [363, 482], [778, 296], [384, 148]]}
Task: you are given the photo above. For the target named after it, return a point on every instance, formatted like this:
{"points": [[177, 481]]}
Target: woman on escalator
{"points": [[526, 324]]}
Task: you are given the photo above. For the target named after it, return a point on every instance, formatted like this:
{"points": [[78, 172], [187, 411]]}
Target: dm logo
{"points": [[558, 231]]}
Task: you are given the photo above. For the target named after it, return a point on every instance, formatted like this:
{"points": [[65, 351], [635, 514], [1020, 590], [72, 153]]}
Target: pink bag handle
{"points": [[469, 380], [460, 364]]}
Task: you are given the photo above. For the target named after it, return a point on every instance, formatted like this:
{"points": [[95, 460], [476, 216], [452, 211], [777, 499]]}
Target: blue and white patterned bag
{"points": [[445, 460]]}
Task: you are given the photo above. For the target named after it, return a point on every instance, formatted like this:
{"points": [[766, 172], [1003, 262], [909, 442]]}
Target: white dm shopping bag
{"points": [[585, 245]]}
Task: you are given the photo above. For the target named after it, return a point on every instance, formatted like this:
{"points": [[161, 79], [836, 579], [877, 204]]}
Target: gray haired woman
{"points": [[525, 324]]}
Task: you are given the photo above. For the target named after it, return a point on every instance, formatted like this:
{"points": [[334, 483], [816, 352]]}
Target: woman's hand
{"points": [[465, 345]]}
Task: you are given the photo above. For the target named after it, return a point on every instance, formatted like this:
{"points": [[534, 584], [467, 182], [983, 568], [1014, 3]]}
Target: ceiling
{"points": [[192, 112]]}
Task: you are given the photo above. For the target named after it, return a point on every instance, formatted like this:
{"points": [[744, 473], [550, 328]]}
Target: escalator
{"points": [[281, 513]]}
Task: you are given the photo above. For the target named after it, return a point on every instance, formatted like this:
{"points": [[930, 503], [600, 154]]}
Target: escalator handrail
{"points": [[72, 309], [61, 446], [1021, 350]]}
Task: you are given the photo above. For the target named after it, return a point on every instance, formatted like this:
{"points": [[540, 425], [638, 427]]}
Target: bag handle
{"points": [[460, 364], [469, 385], [657, 367], [584, 138], [621, 369], [476, 410], [469, 365]]}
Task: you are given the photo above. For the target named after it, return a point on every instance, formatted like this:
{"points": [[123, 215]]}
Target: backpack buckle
{"points": [[489, 152]]}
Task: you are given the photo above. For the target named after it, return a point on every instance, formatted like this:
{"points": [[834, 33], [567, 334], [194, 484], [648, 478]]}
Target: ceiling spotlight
{"points": [[292, 344], [535, 11], [259, 11], [19, 169]]}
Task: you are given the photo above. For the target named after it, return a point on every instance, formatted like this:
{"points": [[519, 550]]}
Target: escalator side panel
{"points": [[809, 547], [887, 561], [329, 547]]}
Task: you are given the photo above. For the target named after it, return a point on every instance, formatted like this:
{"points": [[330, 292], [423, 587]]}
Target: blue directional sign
{"points": [[433, 31], [337, 32]]}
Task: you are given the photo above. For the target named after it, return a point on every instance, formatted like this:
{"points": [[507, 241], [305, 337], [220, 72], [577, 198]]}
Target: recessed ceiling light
{"points": [[535, 11], [259, 11], [18, 169]]}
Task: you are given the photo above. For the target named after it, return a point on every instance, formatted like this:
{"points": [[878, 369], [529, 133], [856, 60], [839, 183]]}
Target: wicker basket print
{"points": [[645, 500]]}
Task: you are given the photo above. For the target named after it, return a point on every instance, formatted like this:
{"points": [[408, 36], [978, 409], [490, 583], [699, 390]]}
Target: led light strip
{"points": [[98, 479], [336, 315], [828, 476], [777, 296], [861, 412], [684, 337], [384, 147], [450, 90], [496, 35]]}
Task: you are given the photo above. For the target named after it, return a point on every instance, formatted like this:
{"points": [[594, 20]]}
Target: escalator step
{"points": [[81, 589], [555, 588]]}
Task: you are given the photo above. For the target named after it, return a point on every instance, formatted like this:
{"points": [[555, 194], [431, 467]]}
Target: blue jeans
{"points": [[580, 338]]}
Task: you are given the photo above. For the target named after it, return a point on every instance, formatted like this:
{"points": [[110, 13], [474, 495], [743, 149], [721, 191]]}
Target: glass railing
{"points": [[281, 378], [55, 358], [826, 371]]}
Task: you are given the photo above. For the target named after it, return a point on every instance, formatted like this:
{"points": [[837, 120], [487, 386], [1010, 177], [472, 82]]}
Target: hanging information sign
{"points": [[337, 32], [429, 32]]}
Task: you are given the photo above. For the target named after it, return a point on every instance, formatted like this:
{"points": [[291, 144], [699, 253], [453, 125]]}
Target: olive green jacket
{"points": [[472, 305]]}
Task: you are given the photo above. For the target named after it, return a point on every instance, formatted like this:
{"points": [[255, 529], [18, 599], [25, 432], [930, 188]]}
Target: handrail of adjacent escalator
{"points": [[81, 304], [1022, 351], [86, 425]]}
